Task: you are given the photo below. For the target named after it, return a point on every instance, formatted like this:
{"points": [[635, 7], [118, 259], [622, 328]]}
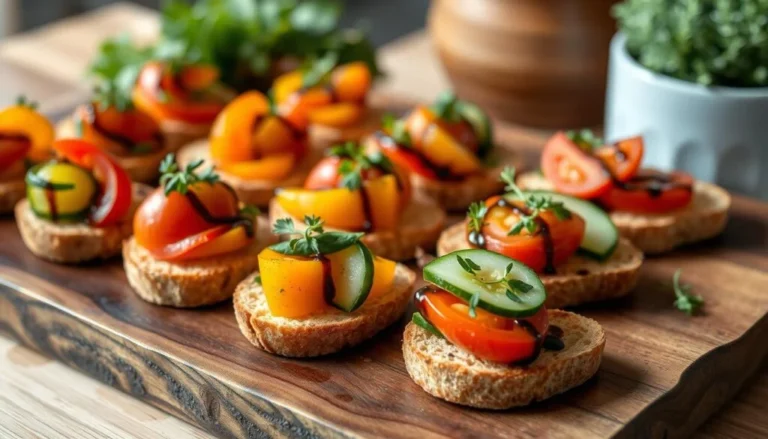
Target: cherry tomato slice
{"points": [[487, 336], [326, 175], [622, 158], [651, 192], [404, 158], [116, 191], [530, 249], [571, 170], [12, 149]]}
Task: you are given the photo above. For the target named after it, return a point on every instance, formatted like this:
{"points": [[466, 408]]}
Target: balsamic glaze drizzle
{"points": [[652, 181], [124, 141], [234, 221]]}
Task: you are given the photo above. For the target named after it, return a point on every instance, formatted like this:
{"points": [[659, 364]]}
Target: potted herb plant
{"points": [[692, 77]]}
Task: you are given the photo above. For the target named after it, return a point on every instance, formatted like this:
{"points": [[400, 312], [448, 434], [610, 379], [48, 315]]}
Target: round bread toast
{"points": [[143, 168], [580, 280], [420, 226], [193, 283], [705, 217], [73, 243], [322, 334], [457, 376], [256, 192], [11, 192]]}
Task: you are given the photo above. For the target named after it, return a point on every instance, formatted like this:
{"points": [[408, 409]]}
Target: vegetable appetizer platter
{"points": [[318, 262]]}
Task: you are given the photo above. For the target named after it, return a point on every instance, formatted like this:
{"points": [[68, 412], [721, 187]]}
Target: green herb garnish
{"points": [[685, 301], [513, 287], [585, 139], [257, 279], [314, 240], [476, 215], [355, 161], [535, 205], [23, 101], [396, 130], [115, 70], [175, 179], [446, 107]]}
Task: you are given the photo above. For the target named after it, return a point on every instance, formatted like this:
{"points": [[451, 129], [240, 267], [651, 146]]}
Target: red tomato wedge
{"points": [[622, 158], [487, 336], [12, 149], [530, 249], [571, 170], [116, 191], [651, 192], [404, 158]]}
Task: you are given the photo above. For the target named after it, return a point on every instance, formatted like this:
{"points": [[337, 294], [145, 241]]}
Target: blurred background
{"points": [[386, 19]]}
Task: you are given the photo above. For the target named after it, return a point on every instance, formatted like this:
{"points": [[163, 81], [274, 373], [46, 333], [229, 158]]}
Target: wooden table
{"points": [[39, 397]]}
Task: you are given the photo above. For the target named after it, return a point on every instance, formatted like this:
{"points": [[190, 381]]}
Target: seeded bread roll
{"points": [[705, 217], [450, 373]]}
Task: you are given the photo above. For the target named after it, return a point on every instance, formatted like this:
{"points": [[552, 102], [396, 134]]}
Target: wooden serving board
{"points": [[663, 373]]}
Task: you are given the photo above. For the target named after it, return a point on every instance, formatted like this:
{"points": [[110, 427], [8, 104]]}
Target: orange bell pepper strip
{"points": [[340, 115], [339, 208], [383, 277], [351, 82], [270, 168], [384, 200], [292, 285], [24, 122], [231, 135]]}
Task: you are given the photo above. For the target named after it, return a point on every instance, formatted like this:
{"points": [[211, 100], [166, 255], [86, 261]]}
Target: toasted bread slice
{"points": [[12, 186], [420, 227], [323, 136], [322, 334], [457, 195], [143, 168], [75, 242], [455, 375], [257, 192], [581, 279], [193, 283], [704, 218]]}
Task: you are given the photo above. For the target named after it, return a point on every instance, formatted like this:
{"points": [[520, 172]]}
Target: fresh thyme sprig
{"points": [[176, 179], [535, 204], [23, 101], [313, 240], [355, 161], [396, 129], [585, 139], [685, 301], [513, 287], [476, 215]]}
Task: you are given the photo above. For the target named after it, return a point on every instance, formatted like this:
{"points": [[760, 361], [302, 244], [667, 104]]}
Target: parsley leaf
{"points": [[685, 301], [476, 215], [446, 108], [175, 179], [23, 101], [314, 239], [534, 204]]}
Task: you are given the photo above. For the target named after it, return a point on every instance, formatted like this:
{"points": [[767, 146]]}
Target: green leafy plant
{"points": [[313, 240], [115, 70], [711, 42]]}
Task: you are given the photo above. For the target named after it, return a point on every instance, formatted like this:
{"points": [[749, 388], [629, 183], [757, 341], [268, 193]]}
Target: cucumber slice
{"points": [[447, 273], [71, 187], [420, 320], [600, 236], [481, 125], [352, 273]]}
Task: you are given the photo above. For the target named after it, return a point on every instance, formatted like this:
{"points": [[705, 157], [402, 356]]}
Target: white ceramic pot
{"points": [[718, 134]]}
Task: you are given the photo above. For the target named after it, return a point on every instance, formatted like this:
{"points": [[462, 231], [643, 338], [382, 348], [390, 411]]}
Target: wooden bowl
{"points": [[536, 62]]}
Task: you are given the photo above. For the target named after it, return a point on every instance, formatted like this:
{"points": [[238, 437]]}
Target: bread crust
{"points": [[705, 217], [452, 374], [192, 283], [143, 168], [580, 280], [420, 226], [76, 242], [11, 192], [177, 134], [323, 334], [457, 195], [257, 192]]}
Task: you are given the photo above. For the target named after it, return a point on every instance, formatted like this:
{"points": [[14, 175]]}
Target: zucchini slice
{"points": [[447, 273], [352, 273]]}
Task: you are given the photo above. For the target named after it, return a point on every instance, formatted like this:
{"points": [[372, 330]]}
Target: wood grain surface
{"points": [[41, 398]]}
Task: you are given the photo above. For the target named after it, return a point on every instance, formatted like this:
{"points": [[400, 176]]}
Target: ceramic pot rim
{"points": [[631, 66]]}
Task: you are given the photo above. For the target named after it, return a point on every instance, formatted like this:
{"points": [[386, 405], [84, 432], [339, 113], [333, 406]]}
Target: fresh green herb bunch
{"points": [[355, 161], [711, 42], [115, 70], [512, 287], [311, 241], [396, 129], [535, 204], [585, 139], [685, 301], [173, 178]]}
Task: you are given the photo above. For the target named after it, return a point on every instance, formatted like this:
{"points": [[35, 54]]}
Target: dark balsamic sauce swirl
{"points": [[441, 172], [125, 142], [234, 221], [477, 238], [552, 340]]}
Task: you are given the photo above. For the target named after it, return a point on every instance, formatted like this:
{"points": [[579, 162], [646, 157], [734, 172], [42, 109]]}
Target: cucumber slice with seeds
{"points": [[352, 273], [447, 273]]}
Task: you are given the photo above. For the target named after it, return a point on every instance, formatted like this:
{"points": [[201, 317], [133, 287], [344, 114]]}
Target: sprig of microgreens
{"points": [[535, 204], [174, 178], [476, 215], [313, 240], [513, 287], [396, 129], [23, 101], [685, 301], [585, 139], [355, 161]]}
